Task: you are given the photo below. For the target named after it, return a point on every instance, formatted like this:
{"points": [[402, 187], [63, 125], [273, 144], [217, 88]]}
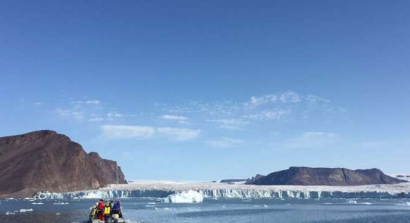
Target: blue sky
{"points": [[205, 90]]}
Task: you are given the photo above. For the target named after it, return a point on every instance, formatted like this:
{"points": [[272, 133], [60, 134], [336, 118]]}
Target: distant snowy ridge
{"points": [[405, 177], [162, 189]]}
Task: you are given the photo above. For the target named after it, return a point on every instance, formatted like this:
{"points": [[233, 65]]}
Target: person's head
{"points": [[101, 200]]}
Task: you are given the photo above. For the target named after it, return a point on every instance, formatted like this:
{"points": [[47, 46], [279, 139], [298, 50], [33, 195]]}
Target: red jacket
{"points": [[101, 205]]}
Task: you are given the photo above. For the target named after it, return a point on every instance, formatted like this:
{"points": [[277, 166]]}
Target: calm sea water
{"points": [[216, 211]]}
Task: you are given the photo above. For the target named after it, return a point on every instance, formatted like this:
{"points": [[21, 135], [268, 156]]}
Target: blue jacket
{"points": [[116, 207]]}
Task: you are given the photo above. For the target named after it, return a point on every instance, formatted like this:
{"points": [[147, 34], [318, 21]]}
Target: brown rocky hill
{"points": [[48, 161], [325, 176]]}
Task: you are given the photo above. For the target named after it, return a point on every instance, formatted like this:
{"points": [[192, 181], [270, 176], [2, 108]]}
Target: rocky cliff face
{"points": [[48, 161], [325, 176]]}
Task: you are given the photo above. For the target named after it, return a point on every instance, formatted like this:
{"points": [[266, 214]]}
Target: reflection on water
{"points": [[211, 211]]}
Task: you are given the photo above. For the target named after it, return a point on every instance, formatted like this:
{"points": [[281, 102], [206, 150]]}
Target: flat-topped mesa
{"points": [[325, 176], [48, 161]]}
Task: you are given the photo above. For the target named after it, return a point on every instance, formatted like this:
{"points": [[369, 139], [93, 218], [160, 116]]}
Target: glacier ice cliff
{"points": [[163, 189]]}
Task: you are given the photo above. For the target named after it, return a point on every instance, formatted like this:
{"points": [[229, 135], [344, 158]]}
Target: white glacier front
{"points": [[162, 189]]}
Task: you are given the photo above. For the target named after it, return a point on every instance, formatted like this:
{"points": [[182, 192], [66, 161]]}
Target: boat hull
{"points": [[108, 221]]}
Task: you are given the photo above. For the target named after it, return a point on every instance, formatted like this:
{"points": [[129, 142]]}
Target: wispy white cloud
{"points": [[78, 115], [225, 142], [216, 108], [249, 115], [145, 132], [89, 102], [127, 131], [77, 102], [92, 111], [69, 113], [313, 140], [93, 102], [112, 115], [178, 134], [314, 99], [96, 119], [179, 118], [38, 103], [387, 145], [265, 107], [63, 112], [286, 97], [269, 115], [231, 124]]}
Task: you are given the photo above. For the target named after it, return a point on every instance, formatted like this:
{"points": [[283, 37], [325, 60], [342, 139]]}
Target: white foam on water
{"points": [[404, 204], [366, 203], [60, 203]]}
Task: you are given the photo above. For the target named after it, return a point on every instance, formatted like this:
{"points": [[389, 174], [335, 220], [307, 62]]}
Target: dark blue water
{"points": [[216, 211]]}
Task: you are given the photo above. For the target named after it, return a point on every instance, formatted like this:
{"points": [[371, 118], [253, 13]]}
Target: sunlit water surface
{"points": [[215, 211]]}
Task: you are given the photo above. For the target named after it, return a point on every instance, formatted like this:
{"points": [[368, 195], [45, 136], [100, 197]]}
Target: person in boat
{"points": [[116, 209], [107, 211], [94, 211], [101, 206]]}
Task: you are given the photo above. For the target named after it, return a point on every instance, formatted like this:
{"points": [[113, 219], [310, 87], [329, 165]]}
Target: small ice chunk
{"points": [[25, 210]]}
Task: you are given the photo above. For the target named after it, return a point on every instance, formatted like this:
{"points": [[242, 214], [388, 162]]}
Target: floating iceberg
{"points": [[184, 197]]}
